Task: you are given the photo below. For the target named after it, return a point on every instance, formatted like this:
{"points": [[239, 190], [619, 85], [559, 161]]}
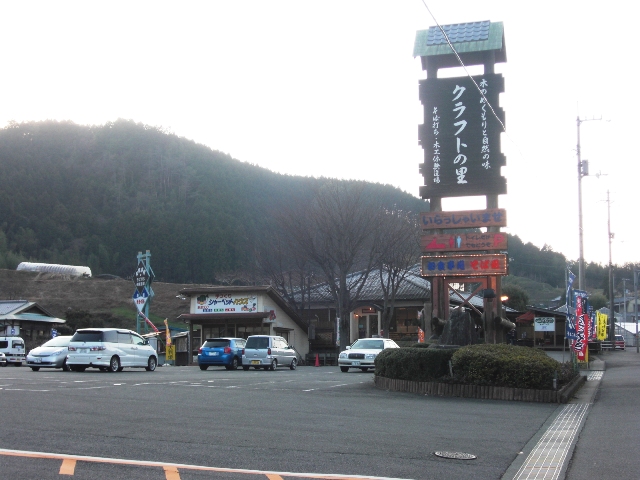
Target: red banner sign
{"points": [[463, 242], [464, 265]]}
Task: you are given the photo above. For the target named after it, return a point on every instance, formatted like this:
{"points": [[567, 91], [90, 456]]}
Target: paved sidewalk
{"points": [[591, 435], [608, 443]]}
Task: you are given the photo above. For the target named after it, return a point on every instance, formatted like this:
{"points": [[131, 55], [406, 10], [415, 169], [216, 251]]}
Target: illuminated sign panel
{"points": [[464, 265]]}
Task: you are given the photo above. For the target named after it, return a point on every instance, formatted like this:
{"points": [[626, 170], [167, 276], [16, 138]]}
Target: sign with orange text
{"points": [[464, 265], [493, 217], [450, 242]]}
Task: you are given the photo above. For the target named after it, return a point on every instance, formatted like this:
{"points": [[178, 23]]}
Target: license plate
{"points": [[355, 363], [37, 360], [255, 362], [213, 354]]}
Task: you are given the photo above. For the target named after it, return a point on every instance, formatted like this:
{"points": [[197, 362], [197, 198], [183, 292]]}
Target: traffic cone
{"points": [[317, 360]]}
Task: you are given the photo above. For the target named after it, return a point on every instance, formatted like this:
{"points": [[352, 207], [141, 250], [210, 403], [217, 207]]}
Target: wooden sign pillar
{"points": [[462, 157]]}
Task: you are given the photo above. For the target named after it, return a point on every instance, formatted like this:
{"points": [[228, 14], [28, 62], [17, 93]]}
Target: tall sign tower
{"points": [[142, 278], [462, 157]]}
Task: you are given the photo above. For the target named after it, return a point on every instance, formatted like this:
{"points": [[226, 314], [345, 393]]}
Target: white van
{"points": [[13, 348], [110, 349]]}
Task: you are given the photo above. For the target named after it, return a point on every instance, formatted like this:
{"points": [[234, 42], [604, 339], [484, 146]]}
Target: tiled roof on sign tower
{"points": [[472, 37], [459, 32]]}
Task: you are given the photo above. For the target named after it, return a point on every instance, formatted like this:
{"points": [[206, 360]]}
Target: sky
{"points": [[330, 89]]}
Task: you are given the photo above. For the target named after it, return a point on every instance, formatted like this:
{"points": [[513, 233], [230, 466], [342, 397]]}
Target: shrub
{"points": [[504, 366], [416, 364]]}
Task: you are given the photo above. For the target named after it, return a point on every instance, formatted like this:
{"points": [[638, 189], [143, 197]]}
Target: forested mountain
{"points": [[97, 195]]}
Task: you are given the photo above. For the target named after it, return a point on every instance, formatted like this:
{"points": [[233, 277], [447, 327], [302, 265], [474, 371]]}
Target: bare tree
{"points": [[338, 232], [286, 267], [400, 250]]}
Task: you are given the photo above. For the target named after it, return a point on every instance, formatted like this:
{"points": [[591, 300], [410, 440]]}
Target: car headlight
{"points": [[343, 354], [370, 356]]}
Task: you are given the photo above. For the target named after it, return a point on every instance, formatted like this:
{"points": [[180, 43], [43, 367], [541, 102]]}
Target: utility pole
{"points": [[624, 298], [583, 171], [635, 288], [612, 326]]}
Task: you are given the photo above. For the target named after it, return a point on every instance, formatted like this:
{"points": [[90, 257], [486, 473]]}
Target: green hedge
{"points": [[414, 363], [505, 366], [482, 364]]}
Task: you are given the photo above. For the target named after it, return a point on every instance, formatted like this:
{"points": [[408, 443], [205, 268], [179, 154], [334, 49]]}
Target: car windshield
{"points": [[619, 338], [369, 344], [216, 342], [57, 342]]}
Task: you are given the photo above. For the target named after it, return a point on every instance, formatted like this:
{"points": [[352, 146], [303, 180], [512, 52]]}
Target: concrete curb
{"points": [[481, 391]]}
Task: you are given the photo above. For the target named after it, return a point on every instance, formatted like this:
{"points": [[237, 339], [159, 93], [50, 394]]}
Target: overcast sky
{"points": [[331, 89]]}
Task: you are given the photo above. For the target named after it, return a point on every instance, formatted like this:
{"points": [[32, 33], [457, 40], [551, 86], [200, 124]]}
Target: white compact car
{"points": [[362, 354], [110, 349]]}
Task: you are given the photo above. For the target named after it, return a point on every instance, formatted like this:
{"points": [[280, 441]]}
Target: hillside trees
{"points": [[97, 195]]}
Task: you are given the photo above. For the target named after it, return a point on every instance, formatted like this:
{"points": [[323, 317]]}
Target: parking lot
{"points": [[181, 422]]}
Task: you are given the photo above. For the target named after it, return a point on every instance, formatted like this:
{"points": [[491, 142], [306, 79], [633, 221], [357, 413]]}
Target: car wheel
{"points": [[65, 367], [151, 364], [274, 365], [344, 369], [294, 364], [35, 369], [245, 367], [204, 367], [114, 364], [234, 364]]}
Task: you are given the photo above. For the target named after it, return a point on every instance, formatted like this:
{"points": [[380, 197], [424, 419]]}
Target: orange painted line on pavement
{"points": [[68, 467], [274, 477], [175, 466], [171, 473]]}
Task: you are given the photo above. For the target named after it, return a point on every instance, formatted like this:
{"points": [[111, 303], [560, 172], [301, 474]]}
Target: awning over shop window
{"points": [[526, 317]]}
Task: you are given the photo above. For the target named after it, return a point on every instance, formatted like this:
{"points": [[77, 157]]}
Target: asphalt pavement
{"points": [[178, 421]]}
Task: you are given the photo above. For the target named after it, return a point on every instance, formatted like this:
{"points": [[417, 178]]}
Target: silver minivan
{"points": [[268, 352]]}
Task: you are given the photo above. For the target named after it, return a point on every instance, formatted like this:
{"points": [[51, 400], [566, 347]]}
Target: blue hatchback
{"points": [[223, 352]]}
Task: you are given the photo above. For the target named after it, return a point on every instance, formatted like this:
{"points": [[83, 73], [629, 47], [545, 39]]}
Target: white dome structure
{"points": [[54, 268]]}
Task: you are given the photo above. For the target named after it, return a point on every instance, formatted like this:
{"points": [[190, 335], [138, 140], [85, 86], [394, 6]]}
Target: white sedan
{"points": [[362, 354]]}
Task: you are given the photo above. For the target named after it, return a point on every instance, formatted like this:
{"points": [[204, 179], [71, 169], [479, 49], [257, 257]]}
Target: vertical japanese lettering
{"points": [[484, 149], [461, 124]]}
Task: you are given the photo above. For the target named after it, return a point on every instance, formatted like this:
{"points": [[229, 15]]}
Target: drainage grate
{"points": [[455, 455]]}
